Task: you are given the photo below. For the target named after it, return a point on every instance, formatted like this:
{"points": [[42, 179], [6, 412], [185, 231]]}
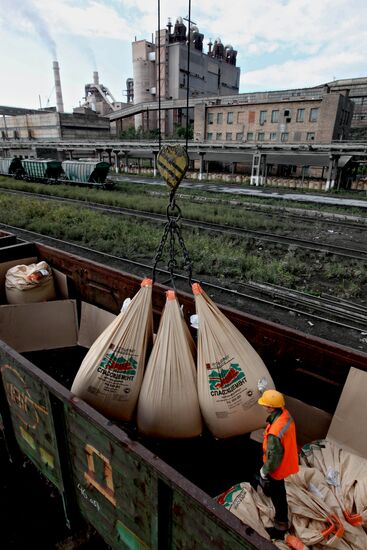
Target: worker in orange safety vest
{"points": [[280, 458]]}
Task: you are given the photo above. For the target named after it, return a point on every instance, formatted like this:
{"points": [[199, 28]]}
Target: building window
{"points": [[261, 136], [241, 117], [239, 136], [262, 117], [273, 136], [275, 116], [297, 136], [210, 118], [250, 136], [300, 115], [228, 136], [284, 136], [230, 117], [218, 137], [219, 118], [314, 113], [310, 136], [209, 136]]}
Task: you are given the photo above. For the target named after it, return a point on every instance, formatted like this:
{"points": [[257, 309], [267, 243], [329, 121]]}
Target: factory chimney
{"points": [[59, 101], [95, 78]]}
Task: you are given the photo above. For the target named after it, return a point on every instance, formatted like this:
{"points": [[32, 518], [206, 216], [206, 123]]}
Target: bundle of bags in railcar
{"points": [[224, 388], [29, 283]]}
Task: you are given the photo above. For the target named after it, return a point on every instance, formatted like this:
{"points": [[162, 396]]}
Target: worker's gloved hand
{"points": [[265, 483]]}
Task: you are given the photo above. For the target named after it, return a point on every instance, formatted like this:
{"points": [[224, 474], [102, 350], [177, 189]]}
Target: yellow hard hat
{"points": [[272, 398]]}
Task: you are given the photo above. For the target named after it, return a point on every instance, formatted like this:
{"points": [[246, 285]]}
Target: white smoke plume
{"points": [[23, 15]]}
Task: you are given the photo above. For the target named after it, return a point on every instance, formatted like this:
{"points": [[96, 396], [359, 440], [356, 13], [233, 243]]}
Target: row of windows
{"points": [[263, 116], [250, 136]]}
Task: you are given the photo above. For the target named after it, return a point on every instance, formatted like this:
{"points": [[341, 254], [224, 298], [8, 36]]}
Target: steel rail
{"points": [[356, 254], [55, 241]]}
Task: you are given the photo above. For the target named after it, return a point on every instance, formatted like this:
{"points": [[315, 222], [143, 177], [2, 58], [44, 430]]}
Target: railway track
{"points": [[342, 315], [359, 254]]}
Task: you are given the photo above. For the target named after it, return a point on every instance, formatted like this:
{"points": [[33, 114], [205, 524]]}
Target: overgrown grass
{"points": [[202, 205], [232, 260]]}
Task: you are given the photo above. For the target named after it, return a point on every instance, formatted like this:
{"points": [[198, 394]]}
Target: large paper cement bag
{"points": [[26, 284], [229, 371], [346, 475], [111, 373], [257, 511], [317, 517], [168, 404]]}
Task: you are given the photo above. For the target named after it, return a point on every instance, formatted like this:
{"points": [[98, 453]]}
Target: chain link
{"points": [[173, 231]]}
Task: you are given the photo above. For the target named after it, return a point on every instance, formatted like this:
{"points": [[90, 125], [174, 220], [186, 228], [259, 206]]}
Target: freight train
{"points": [[136, 492], [90, 173]]}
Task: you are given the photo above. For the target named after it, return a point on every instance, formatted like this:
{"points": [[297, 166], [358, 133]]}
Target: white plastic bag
{"points": [[26, 284]]}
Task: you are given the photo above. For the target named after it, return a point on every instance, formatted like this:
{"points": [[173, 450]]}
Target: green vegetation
{"points": [[232, 260], [131, 134], [198, 204]]}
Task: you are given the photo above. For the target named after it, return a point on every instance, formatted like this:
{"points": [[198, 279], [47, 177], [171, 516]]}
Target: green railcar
{"points": [[11, 166], [40, 170], [88, 172]]}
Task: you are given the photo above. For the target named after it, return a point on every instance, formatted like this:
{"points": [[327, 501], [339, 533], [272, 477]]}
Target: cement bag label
{"points": [[116, 371], [228, 382]]}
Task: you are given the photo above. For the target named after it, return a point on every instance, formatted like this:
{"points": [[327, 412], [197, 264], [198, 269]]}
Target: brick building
{"points": [[293, 116]]}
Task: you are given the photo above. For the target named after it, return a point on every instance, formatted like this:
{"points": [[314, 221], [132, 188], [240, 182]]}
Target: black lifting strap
{"points": [[173, 230]]}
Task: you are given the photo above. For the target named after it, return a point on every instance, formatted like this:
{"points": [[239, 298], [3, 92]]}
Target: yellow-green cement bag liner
{"points": [[229, 370], [26, 284], [111, 373], [168, 405]]}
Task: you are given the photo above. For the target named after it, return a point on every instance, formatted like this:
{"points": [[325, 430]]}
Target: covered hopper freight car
{"points": [[11, 166], [41, 170], [138, 493], [89, 173]]}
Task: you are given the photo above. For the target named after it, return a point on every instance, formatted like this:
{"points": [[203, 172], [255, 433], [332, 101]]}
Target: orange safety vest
{"points": [[284, 428]]}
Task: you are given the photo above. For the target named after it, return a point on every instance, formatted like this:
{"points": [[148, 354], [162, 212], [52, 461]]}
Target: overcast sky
{"points": [[281, 43]]}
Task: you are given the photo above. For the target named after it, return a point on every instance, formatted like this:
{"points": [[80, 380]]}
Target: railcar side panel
{"points": [[116, 491], [31, 417]]}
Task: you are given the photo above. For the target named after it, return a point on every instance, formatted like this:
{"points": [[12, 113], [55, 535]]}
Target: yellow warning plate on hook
{"points": [[172, 162]]}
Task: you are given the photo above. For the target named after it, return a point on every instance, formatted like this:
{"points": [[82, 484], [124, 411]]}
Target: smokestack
{"points": [[59, 101], [95, 78]]}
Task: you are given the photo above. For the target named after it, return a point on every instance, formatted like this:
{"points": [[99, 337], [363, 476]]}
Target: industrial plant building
{"points": [[161, 71], [55, 126]]}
